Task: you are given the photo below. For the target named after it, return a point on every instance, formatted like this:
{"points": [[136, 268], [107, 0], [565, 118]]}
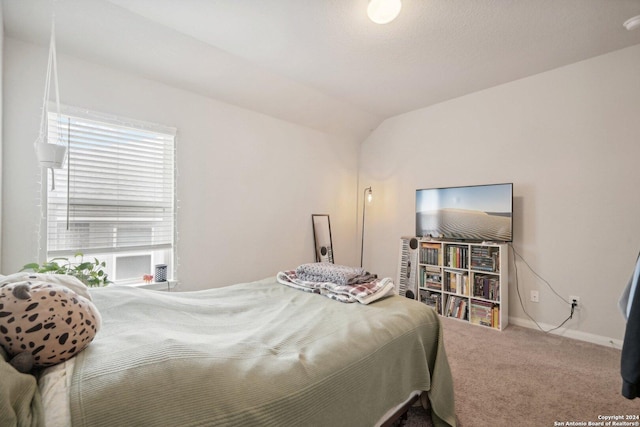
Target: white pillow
{"points": [[65, 280]]}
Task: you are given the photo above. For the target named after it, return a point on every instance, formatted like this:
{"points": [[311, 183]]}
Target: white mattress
{"points": [[55, 383]]}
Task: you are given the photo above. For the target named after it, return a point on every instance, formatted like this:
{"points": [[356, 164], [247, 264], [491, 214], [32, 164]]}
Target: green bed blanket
{"points": [[256, 354]]}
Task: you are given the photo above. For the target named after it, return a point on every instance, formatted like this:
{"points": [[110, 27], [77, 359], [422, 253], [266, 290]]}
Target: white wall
{"points": [[569, 140], [247, 183]]}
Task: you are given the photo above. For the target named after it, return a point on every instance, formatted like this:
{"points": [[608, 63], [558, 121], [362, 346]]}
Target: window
{"points": [[115, 198]]}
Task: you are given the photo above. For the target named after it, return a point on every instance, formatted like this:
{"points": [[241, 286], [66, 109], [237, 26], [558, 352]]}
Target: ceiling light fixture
{"points": [[632, 23], [383, 11]]}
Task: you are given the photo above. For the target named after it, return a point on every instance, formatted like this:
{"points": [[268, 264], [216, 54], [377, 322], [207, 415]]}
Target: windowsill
{"points": [[169, 285]]}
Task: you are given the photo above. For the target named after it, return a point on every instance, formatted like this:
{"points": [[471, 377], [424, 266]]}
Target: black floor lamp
{"points": [[368, 195]]}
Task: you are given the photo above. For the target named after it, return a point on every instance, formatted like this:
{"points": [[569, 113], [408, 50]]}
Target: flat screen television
{"points": [[472, 213]]}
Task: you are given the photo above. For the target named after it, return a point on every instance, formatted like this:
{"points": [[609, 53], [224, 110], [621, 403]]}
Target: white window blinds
{"points": [[116, 191]]}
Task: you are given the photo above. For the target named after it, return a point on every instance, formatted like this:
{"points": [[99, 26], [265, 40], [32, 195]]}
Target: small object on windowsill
{"points": [[148, 278], [161, 273]]}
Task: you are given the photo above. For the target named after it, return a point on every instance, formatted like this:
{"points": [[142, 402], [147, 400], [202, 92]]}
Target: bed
{"points": [[252, 354]]}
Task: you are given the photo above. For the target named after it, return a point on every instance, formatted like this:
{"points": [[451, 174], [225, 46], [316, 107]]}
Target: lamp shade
{"points": [[383, 11]]}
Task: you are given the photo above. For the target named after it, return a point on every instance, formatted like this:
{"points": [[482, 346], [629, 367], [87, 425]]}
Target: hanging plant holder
{"points": [[50, 156], [51, 152]]}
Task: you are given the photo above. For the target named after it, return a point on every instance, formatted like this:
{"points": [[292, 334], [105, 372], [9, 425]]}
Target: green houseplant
{"points": [[91, 273]]}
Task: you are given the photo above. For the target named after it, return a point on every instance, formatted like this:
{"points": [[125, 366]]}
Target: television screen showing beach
{"points": [[467, 213]]}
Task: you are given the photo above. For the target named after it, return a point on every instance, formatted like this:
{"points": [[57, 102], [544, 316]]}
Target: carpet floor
{"points": [[525, 377]]}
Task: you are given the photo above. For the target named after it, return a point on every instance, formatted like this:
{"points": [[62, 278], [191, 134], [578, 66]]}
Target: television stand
{"points": [[464, 280]]}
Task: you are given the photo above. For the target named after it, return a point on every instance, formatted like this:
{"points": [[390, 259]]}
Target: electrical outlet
{"points": [[535, 296], [576, 299]]}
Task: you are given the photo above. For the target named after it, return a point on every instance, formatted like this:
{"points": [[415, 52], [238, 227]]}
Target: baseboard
{"points": [[569, 333]]}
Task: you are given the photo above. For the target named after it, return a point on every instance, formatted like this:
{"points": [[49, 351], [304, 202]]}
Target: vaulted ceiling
{"points": [[322, 63]]}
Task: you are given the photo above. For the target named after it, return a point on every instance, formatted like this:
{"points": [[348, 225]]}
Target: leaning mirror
{"points": [[322, 238]]}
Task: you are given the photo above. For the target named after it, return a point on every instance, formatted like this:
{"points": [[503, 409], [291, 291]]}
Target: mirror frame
{"points": [[322, 231]]}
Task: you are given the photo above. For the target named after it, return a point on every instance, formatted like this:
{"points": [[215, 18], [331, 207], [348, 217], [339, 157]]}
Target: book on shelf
{"points": [[430, 253], [457, 256], [431, 278], [485, 258], [487, 287], [432, 299], [456, 307], [495, 318], [457, 282], [485, 313]]}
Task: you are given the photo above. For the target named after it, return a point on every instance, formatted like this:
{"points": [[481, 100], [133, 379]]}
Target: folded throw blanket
{"points": [[290, 278], [364, 293], [328, 272], [365, 278]]}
